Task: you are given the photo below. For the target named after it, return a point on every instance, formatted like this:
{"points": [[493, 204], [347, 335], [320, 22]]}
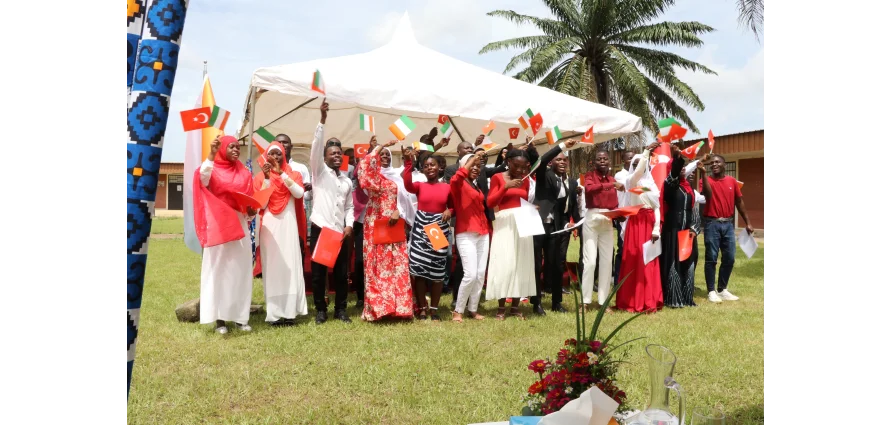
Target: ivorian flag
{"points": [[534, 167], [262, 139], [588, 136], [402, 127], [514, 132], [536, 122], [218, 117], [669, 130], [691, 151], [446, 129], [419, 146], [489, 128], [553, 135], [317, 82], [366, 122], [525, 117], [639, 190], [711, 141], [443, 119]]}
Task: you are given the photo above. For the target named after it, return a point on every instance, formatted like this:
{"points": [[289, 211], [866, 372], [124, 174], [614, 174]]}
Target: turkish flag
{"points": [[536, 122], [195, 119], [443, 119], [514, 132], [588, 136], [711, 141], [437, 238], [361, 150], [659, 162]]}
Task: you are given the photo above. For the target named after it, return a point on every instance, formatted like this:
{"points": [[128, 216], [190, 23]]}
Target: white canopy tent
{"points": [[405, 78]]}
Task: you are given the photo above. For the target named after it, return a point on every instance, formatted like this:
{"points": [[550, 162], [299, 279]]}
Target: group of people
{"points": [[477, 207]]}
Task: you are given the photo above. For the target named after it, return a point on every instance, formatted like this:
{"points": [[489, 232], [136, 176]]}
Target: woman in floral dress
{"points": [[387, 285]]}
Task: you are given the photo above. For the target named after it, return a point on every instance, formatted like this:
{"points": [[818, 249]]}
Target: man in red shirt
{"points": [[600, 194], [723, 196]]}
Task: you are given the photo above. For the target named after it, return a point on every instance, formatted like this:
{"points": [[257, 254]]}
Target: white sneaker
{"points": [[726, 295], [222, 330], [713, 297], [245, 327]]}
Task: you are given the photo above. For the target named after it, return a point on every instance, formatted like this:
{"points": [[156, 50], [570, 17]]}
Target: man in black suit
{"points": [[555, 196]]}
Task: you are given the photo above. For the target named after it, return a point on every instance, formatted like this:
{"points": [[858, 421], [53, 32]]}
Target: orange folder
{"points": [[437, 237], [258, 201], [684, 244], [386, 234], [327, 248], [622, 212]]}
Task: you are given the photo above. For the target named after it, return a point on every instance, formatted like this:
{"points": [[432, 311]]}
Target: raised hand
{"points": [[653, 146], [445, 141], [324, 110], [251, 211], [390, 143], [276, 166], [528, 139], [511, 183], [479, 139], [619, 186], [373, 141], [267, 167], [570, 143], [214, 147]]}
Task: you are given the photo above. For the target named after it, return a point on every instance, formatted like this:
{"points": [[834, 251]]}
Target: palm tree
{"points": [[599, 50], [751, 15]]}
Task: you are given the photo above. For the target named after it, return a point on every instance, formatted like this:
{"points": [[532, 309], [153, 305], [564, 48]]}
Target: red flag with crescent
{"points": [[536, 122], [588, 136], [514, 132], [437, 238], [195, 119], [711, 141], [361, 150], [443, 119]]}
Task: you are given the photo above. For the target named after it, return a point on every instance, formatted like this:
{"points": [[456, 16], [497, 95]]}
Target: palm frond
{"points": [[545, 59], [650, 58], [663, 33], [548, 26], [751, 15], [567, 12], [633, 13], [532, 41], [666, 106]]}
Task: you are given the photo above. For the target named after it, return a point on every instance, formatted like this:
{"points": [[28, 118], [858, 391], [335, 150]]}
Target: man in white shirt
{"points": [[619, 224], [333, 209]]}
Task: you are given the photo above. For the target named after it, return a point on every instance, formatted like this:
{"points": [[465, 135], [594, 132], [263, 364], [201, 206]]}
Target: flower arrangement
{"points": [[583, 362]]}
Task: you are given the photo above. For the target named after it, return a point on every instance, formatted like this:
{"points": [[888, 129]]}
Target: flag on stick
{"points": [[218, 117], [489, 128], [711, 141], [525, 117], [536, 122], [402, 127], [317, 82], [446, 129], [588, 136], [514, 132], [691, 151], [554, 135], [262, 139], [366, 122], [443, 119], [669, 130], [195, 119], [420, 146]]}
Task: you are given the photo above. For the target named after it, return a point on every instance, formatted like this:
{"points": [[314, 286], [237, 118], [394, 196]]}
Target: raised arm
{"points": [[316, 153], [407, 178]]}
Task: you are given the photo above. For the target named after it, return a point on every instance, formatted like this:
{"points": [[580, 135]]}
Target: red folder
{"points": [[622, 212], [327, 248], [386, 234], [684, 244], [245, 201]]}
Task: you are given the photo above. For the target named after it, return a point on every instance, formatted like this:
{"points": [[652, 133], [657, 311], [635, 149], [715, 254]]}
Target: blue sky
{"points": [[236, 37]]}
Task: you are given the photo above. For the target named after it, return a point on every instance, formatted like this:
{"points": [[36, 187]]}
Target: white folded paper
{"points": [[569, 229], [747, 242], [651, 250], [593, 407], [528, 221]]}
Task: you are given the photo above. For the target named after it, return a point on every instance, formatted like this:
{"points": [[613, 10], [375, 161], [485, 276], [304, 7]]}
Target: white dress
{"points": [[283, 280], [514, 273], [226, 274]]}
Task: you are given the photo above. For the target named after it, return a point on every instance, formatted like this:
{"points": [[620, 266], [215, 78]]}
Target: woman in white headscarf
{"points": [[641, 290]]}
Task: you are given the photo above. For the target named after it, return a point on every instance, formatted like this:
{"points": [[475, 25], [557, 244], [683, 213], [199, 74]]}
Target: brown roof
{"points": [[736, 143], [171, 168]]}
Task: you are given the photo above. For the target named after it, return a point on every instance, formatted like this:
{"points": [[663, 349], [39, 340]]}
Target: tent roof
{"points": [[405, 78]]}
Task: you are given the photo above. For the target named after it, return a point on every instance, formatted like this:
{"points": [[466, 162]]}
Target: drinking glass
{"points": [[708, 416]]}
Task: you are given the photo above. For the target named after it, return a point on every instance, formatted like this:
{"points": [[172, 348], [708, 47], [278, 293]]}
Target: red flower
{"points": [[561, 356], [554, 394], [595, 345], [536, 388], [538, 366], [571, 341]]}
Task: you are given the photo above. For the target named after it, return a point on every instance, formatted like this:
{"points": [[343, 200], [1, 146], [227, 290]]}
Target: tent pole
{"points": [[461, 136], [250, 125]]}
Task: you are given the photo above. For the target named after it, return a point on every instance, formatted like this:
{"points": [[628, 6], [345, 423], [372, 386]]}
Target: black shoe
{"points": [[341, 314], [360, 304], [321, 317], [566, 291], [539, 310], [559, 308]]}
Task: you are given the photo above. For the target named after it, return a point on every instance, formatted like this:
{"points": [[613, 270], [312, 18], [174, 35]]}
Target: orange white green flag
{"points": [[402, 127], [262, 139], [525, 118], [553, 135], [317, 82], [366, 123]]}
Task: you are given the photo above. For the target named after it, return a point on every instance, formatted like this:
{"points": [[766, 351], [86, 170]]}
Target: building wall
{"points": [[161, 195], [750, 172]]}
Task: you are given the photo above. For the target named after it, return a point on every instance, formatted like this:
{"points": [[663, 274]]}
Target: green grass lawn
{"points": [[166, 225], [415, 373]]}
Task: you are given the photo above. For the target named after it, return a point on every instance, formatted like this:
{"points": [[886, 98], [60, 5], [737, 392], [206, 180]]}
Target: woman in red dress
{"points": [[387, 285], [641, 290]]}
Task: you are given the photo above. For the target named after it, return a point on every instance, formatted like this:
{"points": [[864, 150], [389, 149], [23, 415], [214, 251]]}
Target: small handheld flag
{"points": [[420, 146], [446, 129], [639, 190], [218, 117], [669, 130], [489, 146], [588, 136], [489, 128], [534, 167], [554, 135], [402, 127], [514, 132], [711, 141], [691, 151], [366, 122], [525, 117], [262, 139], [536, 122], [437, 238], [317, 82], [443, 119], [361, 150], [195, 119]]}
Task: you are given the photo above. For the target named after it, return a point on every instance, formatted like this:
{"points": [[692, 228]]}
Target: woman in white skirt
{"points": [[513, 275], [280, 239], [221, 226]]}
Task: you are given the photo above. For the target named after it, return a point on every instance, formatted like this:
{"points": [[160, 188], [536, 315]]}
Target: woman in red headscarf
{"points": [[282, 230], [221, 225], [678, 202]]}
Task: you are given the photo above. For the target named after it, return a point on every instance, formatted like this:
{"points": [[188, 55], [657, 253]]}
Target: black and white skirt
{"points": [[423, 260]]}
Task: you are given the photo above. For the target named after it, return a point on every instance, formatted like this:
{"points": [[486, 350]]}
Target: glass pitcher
{"points": [[661, 370]]}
